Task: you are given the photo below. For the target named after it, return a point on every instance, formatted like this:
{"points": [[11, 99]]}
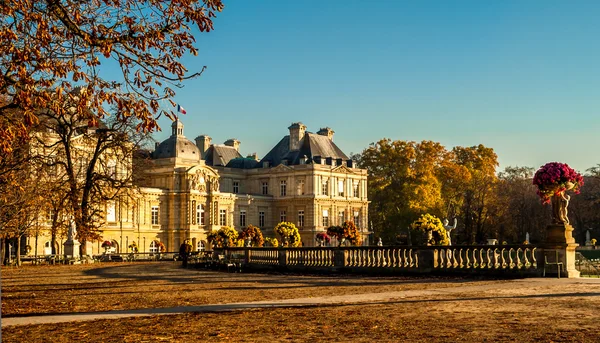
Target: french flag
{"points": [[180, 109]]}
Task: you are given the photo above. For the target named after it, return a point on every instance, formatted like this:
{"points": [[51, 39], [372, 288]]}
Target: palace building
{"points": [[194, 187]]}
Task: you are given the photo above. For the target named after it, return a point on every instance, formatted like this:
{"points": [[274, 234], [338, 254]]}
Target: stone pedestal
{"points": [[560, 239], [560, 234], [72, 249]]}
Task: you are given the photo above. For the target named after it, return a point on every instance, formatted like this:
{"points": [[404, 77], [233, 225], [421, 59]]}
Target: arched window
{"points": [[153, 247], [201, 246], [48, 248]]}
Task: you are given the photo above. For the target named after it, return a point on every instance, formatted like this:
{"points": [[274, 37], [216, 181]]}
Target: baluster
{"points": [[517, 262], [481, 261], [401, 258], [461, 261], [475, 263], [455, 263], [469, 264], [526, 263]]}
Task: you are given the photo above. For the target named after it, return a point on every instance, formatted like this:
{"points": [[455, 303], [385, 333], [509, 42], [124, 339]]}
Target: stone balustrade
{"points": [[515, 260]]}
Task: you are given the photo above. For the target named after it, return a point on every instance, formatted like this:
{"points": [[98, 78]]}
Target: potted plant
{"points": [[106, 245], [252, 235], [553, 180], [432, 229], [290, 237], [323, 238]]}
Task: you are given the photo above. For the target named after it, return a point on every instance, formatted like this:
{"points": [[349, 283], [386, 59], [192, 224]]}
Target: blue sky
{"points": [[522, 77]]}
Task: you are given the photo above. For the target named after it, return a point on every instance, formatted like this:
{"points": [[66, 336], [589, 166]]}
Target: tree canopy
{"points": [[52, 46]]}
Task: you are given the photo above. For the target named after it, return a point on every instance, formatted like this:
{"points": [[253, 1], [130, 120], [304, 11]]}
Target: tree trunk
{"points": [[2, 250], [18, 252], [53, 242]]}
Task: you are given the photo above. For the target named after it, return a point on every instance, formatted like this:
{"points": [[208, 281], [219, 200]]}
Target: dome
{"points": [[177, 145]]}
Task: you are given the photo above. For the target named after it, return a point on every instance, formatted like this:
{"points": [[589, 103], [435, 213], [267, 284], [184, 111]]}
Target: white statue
{"points": [[588, 240], [379, 242], [527, 237], [72, 233], [449, 229]]}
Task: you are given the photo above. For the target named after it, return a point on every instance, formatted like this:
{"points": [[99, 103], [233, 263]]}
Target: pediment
{"points": [[281, 169], [343, 169], [203, 169], [202, 178]]}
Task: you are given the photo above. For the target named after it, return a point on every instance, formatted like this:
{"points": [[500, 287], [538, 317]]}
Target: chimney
{"points": [[253, 156], [156, 144], [326, 131], [297, 131], [203, 143], [232, 142]]}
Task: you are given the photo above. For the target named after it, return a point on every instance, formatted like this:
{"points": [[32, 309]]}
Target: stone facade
{"points": [[193, 188]]}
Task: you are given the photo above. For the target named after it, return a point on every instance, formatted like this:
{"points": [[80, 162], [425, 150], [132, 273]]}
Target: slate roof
{"points": [[243, 163], [312, 145], [220, 155], [177, 146]]}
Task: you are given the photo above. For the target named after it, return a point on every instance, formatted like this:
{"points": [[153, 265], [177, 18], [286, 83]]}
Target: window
{"points": [[155, 215], [243, 218], [301, 218], [325, 218], [110, 212], [153, 247], [236, 187], [200, 214], [265, 188], [341, 218], [282, 216], [341, 188], [325, 187], [356, 218], [201, 246], [355, 189], [222, 217], [261, 218], [300, 187], [283, 188]]}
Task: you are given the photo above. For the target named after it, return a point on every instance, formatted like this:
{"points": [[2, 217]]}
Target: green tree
{"points": [[403, 182], [480, 206]]}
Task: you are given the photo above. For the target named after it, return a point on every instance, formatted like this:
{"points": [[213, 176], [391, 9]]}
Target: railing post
{"points": [[427, 260], [247, 256], [339, 257], [283, 257]]}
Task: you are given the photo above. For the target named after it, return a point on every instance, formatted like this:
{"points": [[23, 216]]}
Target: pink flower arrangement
{"points": [[323, 237], [554, 178], [106, 244]]}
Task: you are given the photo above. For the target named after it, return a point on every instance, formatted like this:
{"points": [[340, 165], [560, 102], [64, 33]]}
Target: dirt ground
{"points": [[122, 286], [506, 311]]}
